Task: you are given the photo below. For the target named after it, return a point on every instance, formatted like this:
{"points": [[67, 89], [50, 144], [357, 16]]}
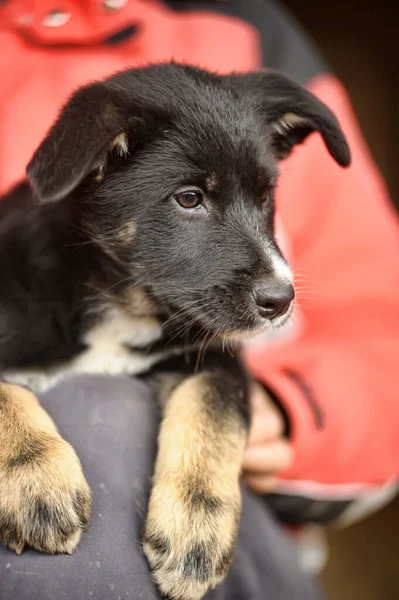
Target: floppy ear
{"points": [[93, 121], [291, 113]]}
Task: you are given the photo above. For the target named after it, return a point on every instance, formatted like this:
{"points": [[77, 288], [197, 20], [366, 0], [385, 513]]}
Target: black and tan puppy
{"points": [[146, 245]]}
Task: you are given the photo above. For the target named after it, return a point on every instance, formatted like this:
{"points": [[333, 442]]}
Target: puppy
{"points": [[143, 244]]}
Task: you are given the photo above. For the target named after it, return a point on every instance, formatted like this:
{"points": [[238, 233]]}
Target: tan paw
{"points": [[189, 538], [44, 498]]}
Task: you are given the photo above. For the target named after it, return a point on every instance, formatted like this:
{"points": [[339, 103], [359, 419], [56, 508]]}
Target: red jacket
{"points": [[336, 375]]}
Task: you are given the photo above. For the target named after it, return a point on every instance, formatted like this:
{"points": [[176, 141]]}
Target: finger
{"points": [[261, 484], [269, 458], [266, 419]]}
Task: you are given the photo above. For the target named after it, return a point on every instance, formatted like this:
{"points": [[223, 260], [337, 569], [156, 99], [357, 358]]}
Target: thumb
{"points": [[267, 422]]}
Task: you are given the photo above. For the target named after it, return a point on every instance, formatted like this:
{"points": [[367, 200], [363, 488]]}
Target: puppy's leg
{"points": [[195, 504], [44, 498]]}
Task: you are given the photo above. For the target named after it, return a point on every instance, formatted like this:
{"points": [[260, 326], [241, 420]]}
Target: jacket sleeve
{"points": [[338, 379]]}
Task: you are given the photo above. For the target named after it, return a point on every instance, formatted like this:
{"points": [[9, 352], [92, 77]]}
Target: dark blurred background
{"points": [[360, 40]]}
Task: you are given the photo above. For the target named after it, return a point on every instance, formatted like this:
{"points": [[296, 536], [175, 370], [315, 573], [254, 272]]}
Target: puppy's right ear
{"points": [[95, 119], [290, 112]]}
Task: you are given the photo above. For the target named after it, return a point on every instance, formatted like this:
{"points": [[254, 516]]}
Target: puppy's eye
{"points": [[189, 199]]}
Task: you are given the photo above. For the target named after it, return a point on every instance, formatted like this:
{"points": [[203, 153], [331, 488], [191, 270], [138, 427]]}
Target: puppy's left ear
{"points": [[291, 113], [92, 123]]}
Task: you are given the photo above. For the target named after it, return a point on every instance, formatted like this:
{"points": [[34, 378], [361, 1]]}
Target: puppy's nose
{"points": [[273, 300]]}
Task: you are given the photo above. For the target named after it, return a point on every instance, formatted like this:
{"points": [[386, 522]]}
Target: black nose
{"points": [[273, 300]]}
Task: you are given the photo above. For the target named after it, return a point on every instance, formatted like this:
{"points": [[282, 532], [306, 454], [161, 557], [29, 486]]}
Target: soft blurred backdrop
{"points": [[360, 40]]}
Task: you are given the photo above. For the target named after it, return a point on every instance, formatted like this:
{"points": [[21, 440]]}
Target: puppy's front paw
{"points": [[189, 538], [44, 498]]}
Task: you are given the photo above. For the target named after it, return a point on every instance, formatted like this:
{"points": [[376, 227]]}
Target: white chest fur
{"points": [[108, 351]]}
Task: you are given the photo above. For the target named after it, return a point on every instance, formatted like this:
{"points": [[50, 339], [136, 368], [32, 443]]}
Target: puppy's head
{"points": [[176, 170]]}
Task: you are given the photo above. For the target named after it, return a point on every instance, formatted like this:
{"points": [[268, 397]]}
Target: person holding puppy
{"points": [[320, 391]]}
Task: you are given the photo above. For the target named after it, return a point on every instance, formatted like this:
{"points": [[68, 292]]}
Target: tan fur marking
{"points": [[100, 174], [136, 303], [41, 478], [212, 182], [195, 502], [289, 121], [127, 232], [121, 144]]}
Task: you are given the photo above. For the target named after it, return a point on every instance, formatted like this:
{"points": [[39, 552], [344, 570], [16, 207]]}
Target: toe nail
{"points": [[19, 549]]}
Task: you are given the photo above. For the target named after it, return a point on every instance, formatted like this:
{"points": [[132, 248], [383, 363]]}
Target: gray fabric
{"points": [[112, 424]]}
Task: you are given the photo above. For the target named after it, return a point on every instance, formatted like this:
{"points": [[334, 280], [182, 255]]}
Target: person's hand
{"points": [[268, 453]]}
